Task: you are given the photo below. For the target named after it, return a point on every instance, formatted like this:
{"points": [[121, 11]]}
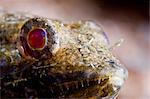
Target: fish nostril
{"points": [[111, 62]]}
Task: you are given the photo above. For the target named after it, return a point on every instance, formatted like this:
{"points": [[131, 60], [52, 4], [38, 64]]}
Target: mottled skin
{"points": [[76, 63]]}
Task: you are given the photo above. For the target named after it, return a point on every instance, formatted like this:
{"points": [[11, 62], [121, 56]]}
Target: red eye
{"points": [[37, 39]]}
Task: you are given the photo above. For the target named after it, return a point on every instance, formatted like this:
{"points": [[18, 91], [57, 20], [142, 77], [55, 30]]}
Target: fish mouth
{"points": [[80, 88], [55, 85], [76, 84], [44, 83]]}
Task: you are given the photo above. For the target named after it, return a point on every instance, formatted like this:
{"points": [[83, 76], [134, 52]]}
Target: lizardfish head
{"points": [[57, 60]]}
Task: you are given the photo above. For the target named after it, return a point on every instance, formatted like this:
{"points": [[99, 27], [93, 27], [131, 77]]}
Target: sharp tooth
{"points": [[82, 84], [67, 87], [61, 87], [88, 82], [76, 84], [99, 81], [51, 89]]}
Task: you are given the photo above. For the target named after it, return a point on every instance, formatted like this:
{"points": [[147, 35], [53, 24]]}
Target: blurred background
{"points": [[128, 19]]}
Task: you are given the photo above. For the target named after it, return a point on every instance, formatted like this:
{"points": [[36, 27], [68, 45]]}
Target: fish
{"points": [[48, 58]]}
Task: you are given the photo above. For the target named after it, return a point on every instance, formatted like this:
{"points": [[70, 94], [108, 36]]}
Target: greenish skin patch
{"points": [[79, 65]]}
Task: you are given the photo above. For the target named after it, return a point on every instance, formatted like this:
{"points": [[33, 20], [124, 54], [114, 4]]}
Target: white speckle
{"points": [[3, 49]]}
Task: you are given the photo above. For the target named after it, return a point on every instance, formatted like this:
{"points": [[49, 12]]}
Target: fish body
{"points": [[73, 62]]}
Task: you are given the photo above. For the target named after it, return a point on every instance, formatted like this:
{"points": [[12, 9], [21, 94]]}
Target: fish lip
{"points": [[80, 85], [95, 77]]}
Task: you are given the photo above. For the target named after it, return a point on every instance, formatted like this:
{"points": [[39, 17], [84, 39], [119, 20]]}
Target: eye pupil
{"points": [[37, 39]]}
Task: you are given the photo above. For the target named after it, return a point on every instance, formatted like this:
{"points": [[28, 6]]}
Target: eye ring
{"points": [[39, 38]]}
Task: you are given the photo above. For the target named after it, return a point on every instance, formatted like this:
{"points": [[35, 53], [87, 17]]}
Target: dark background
{"points": [[128, 19]]}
